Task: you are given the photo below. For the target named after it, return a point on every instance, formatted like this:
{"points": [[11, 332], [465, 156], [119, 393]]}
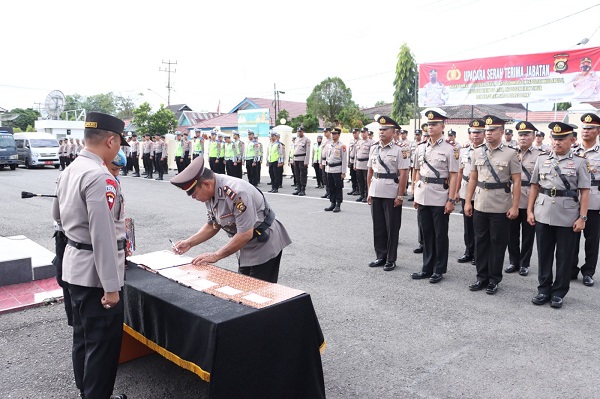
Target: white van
{"points": [[37, 149]]}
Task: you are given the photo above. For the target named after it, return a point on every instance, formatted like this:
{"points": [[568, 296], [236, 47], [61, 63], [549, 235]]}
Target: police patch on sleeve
{"points": [[111, 193], [229, 192], [239, 205]]}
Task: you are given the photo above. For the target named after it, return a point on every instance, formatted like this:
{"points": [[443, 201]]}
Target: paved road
{"points": [[387, 335]]}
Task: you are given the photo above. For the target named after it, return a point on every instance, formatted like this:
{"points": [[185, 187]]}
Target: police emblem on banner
{"points": [[560, 63]]}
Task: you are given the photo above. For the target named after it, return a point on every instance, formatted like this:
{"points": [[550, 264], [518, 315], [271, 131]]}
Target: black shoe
{"points": [[158, 178], [296, 192], [420, 275], [377, 262], [337, 208], [324, 196], [364, 200], [330, 207], [436, 278], [411, 198], [135, 175], [270, 191], [269, 183], [557, 302], [351, 192], [359, 199], [465, 259], [588, 281], [523, 271], [275, 191], [478, 285], [389, 266], [418, 250], [121, 396], [540, 299], [302, 193], [512, 269], [491, 289]]}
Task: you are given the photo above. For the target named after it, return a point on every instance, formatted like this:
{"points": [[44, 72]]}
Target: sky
{"points": [[229, 50]]}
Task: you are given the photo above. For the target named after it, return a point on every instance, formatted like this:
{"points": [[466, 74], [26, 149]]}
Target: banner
{"points": [[256, 120], [565, 76]]}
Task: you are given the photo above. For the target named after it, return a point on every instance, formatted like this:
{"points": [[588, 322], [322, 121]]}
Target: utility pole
{"points": [[169, 71]]}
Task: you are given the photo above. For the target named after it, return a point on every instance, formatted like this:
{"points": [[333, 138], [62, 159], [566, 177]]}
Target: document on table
{"points": [[160, 260], [227, 290], [257, 298]]}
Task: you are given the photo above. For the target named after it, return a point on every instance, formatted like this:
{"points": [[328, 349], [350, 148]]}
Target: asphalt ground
{"points": [[387, 336]]}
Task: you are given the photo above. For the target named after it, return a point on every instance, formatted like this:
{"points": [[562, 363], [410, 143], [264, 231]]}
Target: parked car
{"points": [[8, 149], [37, 149]]}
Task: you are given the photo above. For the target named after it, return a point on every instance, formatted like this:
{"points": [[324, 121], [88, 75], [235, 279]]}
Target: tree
{"points": [[101, 103], [162, 121], [26, 118], [109, 103], [282, 114], [403, 108], [380, 103], [328, 99], [352, 117], [563, 106], [308, 121]]}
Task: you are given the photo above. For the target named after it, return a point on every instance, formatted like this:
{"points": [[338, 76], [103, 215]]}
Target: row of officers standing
{"points": [[513, 194]]}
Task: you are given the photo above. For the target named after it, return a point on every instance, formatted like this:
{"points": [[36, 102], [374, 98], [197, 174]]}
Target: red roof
{"points": [[539, 116]]}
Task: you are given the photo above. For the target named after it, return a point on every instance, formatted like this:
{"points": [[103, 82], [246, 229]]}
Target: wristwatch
{"points": [[451, 200], [400, 197], [582, 217]]}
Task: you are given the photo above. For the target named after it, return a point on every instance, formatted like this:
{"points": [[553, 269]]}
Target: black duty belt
{"points": [[300, 155], [493, 186], [465, 178], [595, 183], [88, 247], [362, 159], [551, 192], [525, 183], [384, 175], [434, 180], [333, 165]]}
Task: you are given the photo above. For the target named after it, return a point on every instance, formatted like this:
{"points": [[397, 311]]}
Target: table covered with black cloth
{"points": [[244, 352]]}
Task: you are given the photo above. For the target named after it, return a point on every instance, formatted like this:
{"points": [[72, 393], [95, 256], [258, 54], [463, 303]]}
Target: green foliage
{"points": [[328, 99], [403, 108], [352, 117], [308, 121], [563, 106], [30, 128], [109, 103], [283, 114], [17, 130], [162, 121], [101, 103], [26, 117], [380, 103]]}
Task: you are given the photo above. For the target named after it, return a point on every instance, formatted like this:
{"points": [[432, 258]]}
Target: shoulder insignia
{"points": [[111, 193], [451, 142], [344, 148], [456, 152], [580, 155], [404, 153], [229, 192], [239, 205]]}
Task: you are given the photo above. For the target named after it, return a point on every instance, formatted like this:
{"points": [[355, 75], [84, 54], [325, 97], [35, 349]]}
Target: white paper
{"points": [[160, 260], [227, 290], [173, 273], [202, 284], [256, 298]]}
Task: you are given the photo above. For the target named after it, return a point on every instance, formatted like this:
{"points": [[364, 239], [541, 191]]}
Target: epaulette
{"points": [[579, 155], [451, 142], [480, 145], [466, 145], [514, 148]]}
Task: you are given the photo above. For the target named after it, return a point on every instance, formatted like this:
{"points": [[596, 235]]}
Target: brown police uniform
{"points": [[301, 156], [337, 163], [363, 148]]}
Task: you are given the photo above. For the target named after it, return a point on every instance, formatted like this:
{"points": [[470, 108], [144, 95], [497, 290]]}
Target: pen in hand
{"points": [[174, 247]]}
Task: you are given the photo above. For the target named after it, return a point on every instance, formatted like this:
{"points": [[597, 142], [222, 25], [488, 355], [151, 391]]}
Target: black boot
{"points": [[297, 191], [302, 193], [337, 207], [331, 207]]}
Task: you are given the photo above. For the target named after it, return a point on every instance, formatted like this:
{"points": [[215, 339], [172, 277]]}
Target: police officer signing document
{"points": [[89, 206], [240, 209]]}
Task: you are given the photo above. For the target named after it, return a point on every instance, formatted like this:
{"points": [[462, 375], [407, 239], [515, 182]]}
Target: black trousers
{"points": [[62, 162], [186, 159], [196, 155], [353, 178], [491, 240], [179, 163], [67, 160], [519, 227], [239, 173], [326, 181], [301, 173], [158, 164], [591, 233], [336, 187], [294, 174], [258, 166], [387, 220], [97, 334], [213, 165], [147, 164], [469, 234], [434, 222], [361, 176], [318, 173], [135, 162], [60, 243], [268, 271], [563, 239], [221, 166], [252, 172], [276, 175], [230, 168]]}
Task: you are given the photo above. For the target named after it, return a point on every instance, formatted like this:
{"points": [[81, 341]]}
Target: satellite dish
{"points": [[282, 121], [54, 104]]}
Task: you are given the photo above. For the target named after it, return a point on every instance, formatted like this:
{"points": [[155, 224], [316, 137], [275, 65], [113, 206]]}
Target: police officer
{"points": [[476, 129], [275, 159], [230, 156], [436, 177], [590, 129], [539, 142], [316, 161], [291, 161], [252, 160], [351, 158], [157, 151], [89, 206], [242, 211], [135, 157], [452, 136], [326, 144], [558, 207], [301, 161], [186, 146], [386, 179], [508, 138], [221, 154], [240, 150], [337, 164], [179, 153], [361, 163], [61, 157], [213, 151], [147, 156], [413, 149], [126, 150], [492, 168], [520, 257], [198, 145], [425, 130], [165, 155]]}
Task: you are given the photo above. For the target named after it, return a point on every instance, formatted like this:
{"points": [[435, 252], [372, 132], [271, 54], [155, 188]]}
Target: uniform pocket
{"points": [[570, 204]]}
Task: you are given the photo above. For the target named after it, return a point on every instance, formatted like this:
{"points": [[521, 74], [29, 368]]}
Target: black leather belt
{"points": [[300, 155], [551, 192], [595, 183], [88, 247], [434, 180], [492, 186], [333, 165], [362, 159], [465, 178], [525, 183], [385, 175]]}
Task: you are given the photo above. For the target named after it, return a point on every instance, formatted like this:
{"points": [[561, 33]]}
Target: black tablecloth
{"points": [[244, 352]]}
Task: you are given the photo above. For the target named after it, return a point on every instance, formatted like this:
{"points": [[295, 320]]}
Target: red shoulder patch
{"points": [[344, 148], [111, 193]]}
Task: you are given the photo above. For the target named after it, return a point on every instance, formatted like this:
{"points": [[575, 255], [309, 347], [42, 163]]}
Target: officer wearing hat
{"points": [[291, 163], [493, 167], [386, 184], [157, 155], [351, 159], [539, 142], [590, 129], [436, 178], [240, 149], [508, 138], [221, 165], [425, 130], [89, 206], [324, 151], [520, 256], [586, 84], [230, 156], [301, 161], [214, 148], [316, 161], [147, 155], [186, 146], [198, 145], [413, 149], [476, 129], [452, 136], [275, 159], [243, 212], [179, 153], [361, 165], [135, 151], [558, 207], [252, 158], [336, 166]]}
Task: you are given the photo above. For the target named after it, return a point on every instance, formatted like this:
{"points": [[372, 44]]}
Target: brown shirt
{"points": [[443, 157]]}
